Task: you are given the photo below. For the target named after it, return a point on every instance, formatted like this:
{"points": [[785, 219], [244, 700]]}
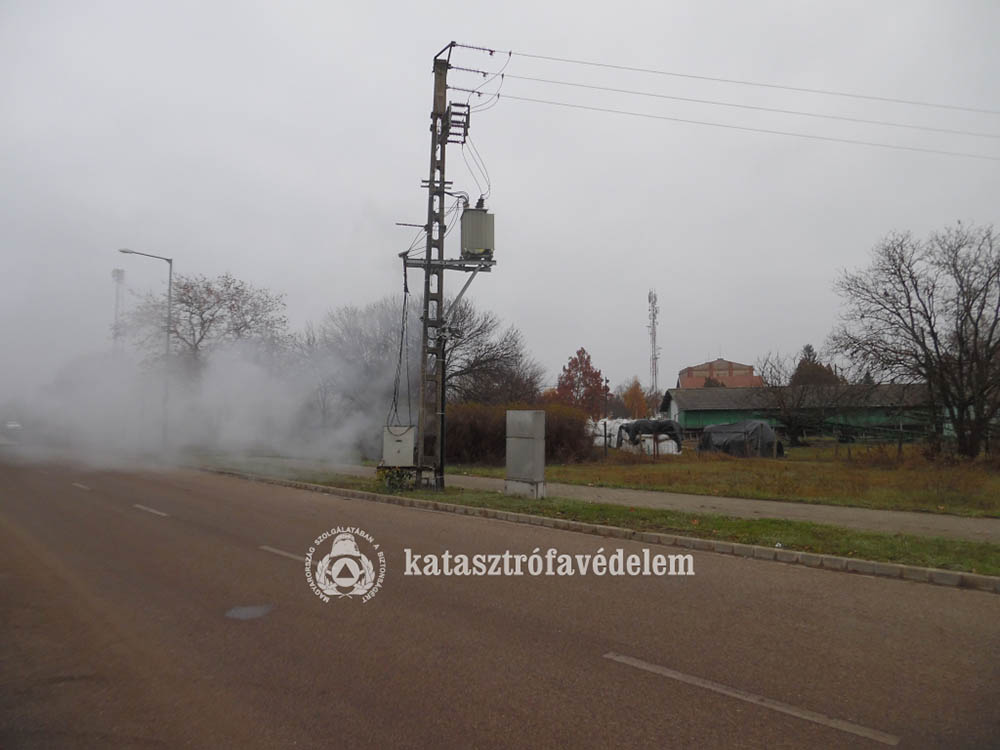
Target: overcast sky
{"points": [[281, 141]]}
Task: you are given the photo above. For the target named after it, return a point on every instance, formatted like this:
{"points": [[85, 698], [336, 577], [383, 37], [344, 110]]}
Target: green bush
{"points": [[477, 433]]}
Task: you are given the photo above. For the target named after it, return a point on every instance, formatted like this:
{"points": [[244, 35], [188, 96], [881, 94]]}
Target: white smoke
{"points": [[108, 409]]}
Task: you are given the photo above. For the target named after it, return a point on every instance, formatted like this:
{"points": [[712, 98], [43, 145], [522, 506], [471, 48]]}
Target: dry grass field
{"points": [[860, 475]]}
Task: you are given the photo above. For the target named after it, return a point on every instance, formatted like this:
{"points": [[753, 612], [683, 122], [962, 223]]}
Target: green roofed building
{"points": [[836, 409]]}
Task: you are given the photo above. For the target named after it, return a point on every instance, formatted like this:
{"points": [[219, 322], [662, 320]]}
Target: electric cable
{"points": [[473, 174], [735, 105], [392, 418], [476, 156], [487, 81], [735, 81], [481, 163], [748, 129]]}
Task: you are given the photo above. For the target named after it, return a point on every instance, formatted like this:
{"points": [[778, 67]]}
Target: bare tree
{"points": [[357, 353], [517, 381], [485, 362], [928, 311], [367, 338], [800, 406], [207, 313], [320, 375]]}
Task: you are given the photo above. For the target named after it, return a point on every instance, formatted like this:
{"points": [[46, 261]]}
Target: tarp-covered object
{"points": [[596, 430], [751, 437], [639, 427]]}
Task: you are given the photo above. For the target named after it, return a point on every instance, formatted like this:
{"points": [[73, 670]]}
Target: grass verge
{"points": [[951, 554]]}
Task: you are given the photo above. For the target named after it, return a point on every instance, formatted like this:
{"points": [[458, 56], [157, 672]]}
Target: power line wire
{"points": [[491, 100], [481, 163], [736, 81], [748, 129], [467, 166], [753, 107]]}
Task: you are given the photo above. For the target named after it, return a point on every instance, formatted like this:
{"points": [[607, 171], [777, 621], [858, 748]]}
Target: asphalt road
{"points": [[115, 588]]}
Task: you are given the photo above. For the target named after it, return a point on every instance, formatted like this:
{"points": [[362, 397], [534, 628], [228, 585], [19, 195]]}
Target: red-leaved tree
{"points": [[581, 385]]}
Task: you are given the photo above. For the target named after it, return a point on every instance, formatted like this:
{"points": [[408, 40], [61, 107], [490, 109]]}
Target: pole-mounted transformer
{"points": [[477, 233]]}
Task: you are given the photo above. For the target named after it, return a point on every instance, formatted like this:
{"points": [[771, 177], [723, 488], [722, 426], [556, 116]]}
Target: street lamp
{"points": [[166, 357], [606, 391]]}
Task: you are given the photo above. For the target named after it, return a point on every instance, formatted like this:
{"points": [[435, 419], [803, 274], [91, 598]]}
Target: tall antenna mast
{"points": [[654, 350]]}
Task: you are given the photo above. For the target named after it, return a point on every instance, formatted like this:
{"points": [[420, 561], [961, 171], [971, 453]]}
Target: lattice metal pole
{"points": [[430, 431]]}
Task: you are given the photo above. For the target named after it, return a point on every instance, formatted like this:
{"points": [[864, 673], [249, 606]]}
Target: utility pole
{"points": [[449, 124], [607, 390]]}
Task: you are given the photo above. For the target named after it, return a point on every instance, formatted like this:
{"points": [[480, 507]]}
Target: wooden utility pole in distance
{"points": [[449, 124]]}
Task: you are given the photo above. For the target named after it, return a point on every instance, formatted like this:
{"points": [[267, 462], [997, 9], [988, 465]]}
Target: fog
{"points": [[282, 143], [107, 409]]}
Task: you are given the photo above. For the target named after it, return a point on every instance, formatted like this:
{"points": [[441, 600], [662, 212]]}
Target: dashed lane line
{"points": [[281, 552], [743, 695]]}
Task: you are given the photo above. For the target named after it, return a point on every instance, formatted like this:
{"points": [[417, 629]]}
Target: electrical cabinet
{"points": [[398, 443]]}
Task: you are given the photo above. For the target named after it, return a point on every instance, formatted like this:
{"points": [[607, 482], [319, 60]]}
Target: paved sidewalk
{"points": [[865, 519]]}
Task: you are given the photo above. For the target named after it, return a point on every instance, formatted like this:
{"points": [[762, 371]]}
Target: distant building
{"points": [[730, 374], [875, 409]]}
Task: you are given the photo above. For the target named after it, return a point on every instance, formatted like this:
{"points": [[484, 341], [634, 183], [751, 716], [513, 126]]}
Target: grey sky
{"points": [[282, 141]]}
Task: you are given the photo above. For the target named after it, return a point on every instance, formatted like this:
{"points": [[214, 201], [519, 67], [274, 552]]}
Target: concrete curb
{"points": [[936, 576]]}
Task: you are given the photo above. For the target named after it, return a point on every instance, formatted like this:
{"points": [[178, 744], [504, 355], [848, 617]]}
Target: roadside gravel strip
{"points": [[827, 562]]}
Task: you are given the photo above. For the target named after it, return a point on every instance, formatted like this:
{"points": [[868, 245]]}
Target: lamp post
{"points": [[606, 390], [166, 353]]}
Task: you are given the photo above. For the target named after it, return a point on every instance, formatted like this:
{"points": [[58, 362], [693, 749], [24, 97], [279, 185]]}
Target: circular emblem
{"points": [[345, 571]]}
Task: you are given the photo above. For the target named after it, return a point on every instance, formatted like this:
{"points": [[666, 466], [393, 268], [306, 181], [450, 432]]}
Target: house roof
{"points": [[888, 395], [718, 362], [731, 381], [720, 399]]}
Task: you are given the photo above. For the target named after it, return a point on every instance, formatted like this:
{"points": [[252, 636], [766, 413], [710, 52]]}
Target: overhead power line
{"points": [[744, 128], [736, 81], [754, 107]]}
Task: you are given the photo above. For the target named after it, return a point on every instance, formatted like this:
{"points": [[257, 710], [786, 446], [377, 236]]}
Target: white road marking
{"points": [[281, 552], [81, 486], [843, 726], [151, 510]]}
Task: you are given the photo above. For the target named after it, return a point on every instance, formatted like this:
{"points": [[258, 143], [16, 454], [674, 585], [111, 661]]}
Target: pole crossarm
{"points": [[452, 264]]}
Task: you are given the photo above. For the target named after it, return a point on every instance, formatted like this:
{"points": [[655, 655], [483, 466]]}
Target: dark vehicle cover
{"points": [[635, 430], [752, 437]]}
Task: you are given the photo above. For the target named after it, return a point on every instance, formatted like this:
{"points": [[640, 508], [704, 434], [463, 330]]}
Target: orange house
{"points": [[730, 374]]}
